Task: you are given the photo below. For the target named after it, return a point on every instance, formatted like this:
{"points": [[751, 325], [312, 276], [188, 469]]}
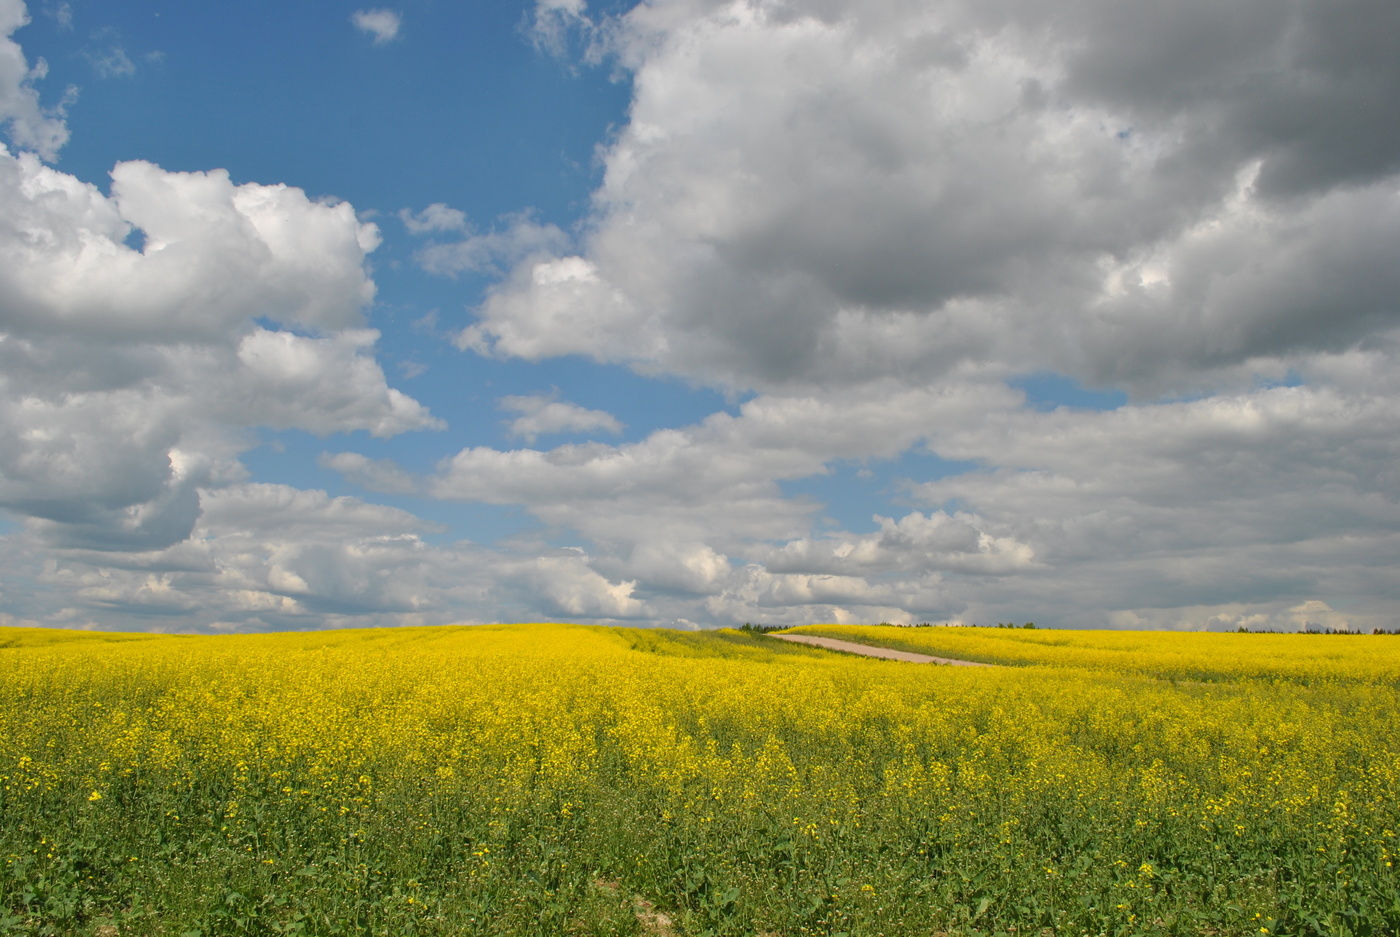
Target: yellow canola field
{"points": [[1170, 655], [533, 779]]}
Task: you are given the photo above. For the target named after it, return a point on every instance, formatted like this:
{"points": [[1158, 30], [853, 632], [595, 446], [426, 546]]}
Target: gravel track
{"points": [[884, 653]]}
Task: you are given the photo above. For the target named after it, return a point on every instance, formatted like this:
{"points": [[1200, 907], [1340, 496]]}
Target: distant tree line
{"points": [[1311, 630], [764, 629]]}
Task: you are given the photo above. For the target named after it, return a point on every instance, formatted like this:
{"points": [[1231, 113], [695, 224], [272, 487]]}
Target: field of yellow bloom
{"points": [[555, 780]]}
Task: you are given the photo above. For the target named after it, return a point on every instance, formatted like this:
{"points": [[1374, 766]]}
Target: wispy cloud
{"points": [[106, 53], [518, 237], [544, 414], [111, 62], [62, 14], [436, 217], [382, 24]]}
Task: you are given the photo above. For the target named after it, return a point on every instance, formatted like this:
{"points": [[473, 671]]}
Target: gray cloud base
{"points": [[822, 193]]}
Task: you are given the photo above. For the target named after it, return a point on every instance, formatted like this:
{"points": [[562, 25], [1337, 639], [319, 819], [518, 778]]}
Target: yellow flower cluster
{"points": [[743, 783], [1188, 655]]}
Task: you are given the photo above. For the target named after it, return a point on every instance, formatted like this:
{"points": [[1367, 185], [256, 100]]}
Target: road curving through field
{"points": [[884, 653]]}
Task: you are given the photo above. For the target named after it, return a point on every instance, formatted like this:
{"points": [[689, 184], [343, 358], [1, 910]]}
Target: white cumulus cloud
{"points": [[29, 125], [130, 376], [838, 205], [817, 192], [867, 222]]}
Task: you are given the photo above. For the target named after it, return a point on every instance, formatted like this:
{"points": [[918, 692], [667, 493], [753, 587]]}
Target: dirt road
{"points": [[885, 653]]}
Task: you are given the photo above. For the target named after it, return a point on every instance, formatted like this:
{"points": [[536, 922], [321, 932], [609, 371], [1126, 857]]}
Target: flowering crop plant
{"points": [[557, 779]]}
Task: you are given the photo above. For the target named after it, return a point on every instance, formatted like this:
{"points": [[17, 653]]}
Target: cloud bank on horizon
{"points": [[873, 228]]}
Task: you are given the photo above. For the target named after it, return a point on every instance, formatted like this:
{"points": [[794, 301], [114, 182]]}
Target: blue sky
{"points": [[693, 313], [460, 108]]}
